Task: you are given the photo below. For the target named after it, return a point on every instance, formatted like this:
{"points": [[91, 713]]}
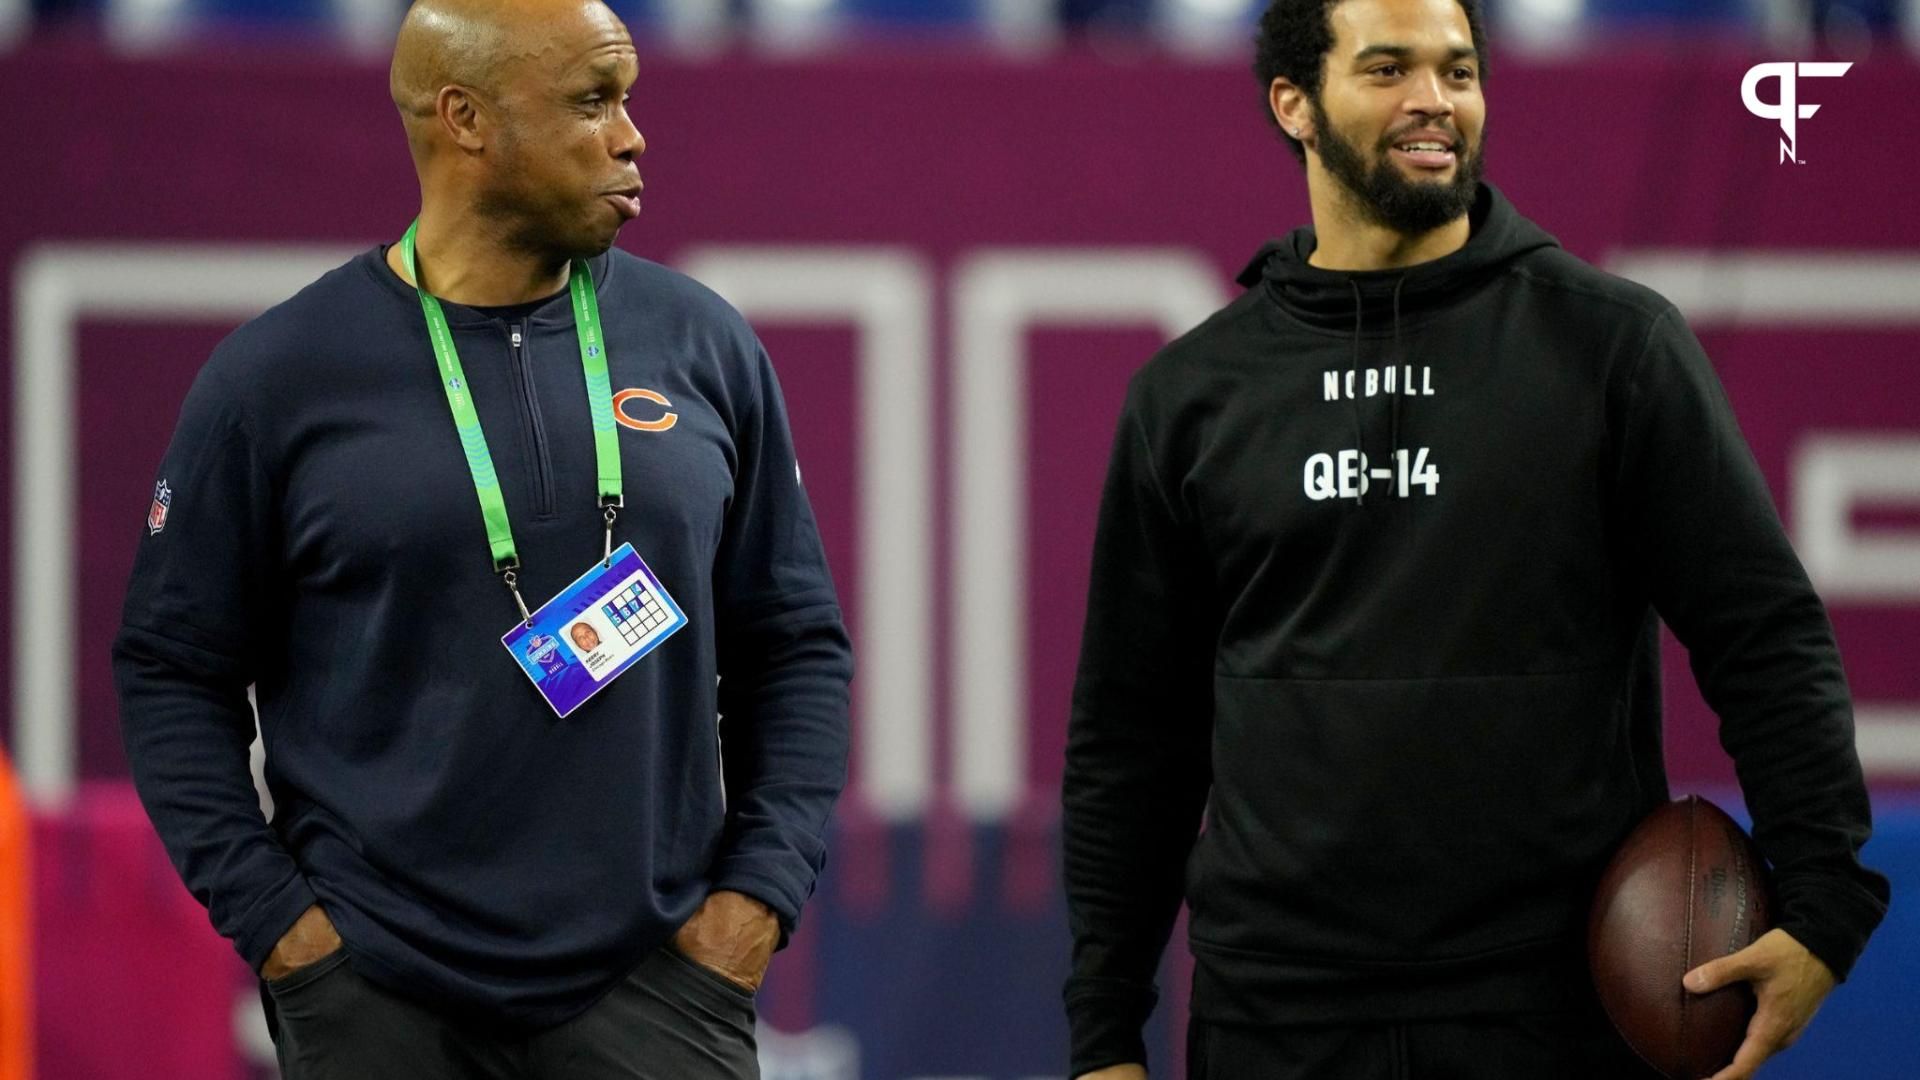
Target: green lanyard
{"points": [[486, 482]]}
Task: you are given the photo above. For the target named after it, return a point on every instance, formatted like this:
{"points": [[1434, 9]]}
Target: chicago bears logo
{"points": [[157, 513], [624, 419]]}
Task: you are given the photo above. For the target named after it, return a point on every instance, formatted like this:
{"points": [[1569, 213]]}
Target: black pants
{"points": [[1548, 1046], [669, 1019]]}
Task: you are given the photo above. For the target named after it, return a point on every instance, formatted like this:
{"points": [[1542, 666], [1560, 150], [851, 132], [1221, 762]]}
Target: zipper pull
{"points": [[516, 337]]}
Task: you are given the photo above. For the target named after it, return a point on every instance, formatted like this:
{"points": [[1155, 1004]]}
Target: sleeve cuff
{"points": [[1104, 1027], [269, 919], [747, 876], [1833, 924]]}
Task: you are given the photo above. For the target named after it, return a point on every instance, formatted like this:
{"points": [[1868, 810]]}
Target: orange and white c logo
{"points": [[620, 416]]}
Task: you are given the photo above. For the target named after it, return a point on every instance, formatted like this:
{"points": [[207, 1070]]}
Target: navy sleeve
{"points": [[183, 659], [1137, 769], [785, 664], [1723, 575]]}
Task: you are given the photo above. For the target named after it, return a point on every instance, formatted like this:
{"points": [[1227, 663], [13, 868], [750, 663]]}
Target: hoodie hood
{"points": [[1328, 298]]}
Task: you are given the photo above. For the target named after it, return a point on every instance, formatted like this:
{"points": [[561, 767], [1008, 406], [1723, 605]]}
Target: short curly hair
{"points": [[1294, 39]]}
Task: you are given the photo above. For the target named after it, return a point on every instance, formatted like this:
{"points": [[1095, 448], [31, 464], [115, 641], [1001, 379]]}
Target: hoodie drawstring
{"points": [[1393, 400], [1353, 381], [1353, 389]]}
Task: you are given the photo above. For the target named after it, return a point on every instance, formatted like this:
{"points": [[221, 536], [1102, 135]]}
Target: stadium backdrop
{"points": [[956, 261]]}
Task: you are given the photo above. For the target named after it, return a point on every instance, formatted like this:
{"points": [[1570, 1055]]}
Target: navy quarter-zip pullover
{"points": [[324, 545]]}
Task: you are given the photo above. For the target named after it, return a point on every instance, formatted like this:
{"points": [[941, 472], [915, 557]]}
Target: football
{"points": [[1686, 886]]}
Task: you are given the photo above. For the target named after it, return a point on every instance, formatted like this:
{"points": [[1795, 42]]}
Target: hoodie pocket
{"points": [[1408, 819]]}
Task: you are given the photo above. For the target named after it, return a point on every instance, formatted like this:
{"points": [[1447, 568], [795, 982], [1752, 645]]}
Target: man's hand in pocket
{"points": [[310, 939], [732, 934]]}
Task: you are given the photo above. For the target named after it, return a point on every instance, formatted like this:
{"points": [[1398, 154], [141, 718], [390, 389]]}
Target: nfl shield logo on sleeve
{"points": [[157, 513]]}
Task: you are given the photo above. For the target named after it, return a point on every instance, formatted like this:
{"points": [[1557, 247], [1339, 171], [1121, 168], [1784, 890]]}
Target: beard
{"points": [[1383, 192]]}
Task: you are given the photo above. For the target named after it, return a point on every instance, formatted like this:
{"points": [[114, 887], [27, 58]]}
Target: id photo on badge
{"points": [[590, 639]]}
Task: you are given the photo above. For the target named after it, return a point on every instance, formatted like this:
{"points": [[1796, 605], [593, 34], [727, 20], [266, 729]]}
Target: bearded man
{"points": [[1376, 585]]}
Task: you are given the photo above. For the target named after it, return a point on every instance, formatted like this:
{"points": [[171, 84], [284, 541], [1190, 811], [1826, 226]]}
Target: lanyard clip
{"points": [[510, 574], [609, 510]]}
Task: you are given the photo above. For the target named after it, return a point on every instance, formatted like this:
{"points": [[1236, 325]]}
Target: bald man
{"points": [[480, 865]]}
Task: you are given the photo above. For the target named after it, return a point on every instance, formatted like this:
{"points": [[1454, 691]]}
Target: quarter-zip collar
{"points": [[556, 310]]}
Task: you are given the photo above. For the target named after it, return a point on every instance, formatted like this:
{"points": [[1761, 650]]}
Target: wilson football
{"points": [[1685, 887]]}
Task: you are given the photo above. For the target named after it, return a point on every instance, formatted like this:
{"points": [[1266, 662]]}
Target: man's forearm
{"points": [[1132, 797], [784, 741], [187, 728]]}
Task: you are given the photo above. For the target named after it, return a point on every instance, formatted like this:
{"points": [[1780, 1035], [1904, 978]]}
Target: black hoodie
{"points": [[1375, 585]]}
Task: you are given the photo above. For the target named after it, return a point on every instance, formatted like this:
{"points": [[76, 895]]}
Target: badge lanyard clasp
{"points": [[510, 574], [609, 511]]}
